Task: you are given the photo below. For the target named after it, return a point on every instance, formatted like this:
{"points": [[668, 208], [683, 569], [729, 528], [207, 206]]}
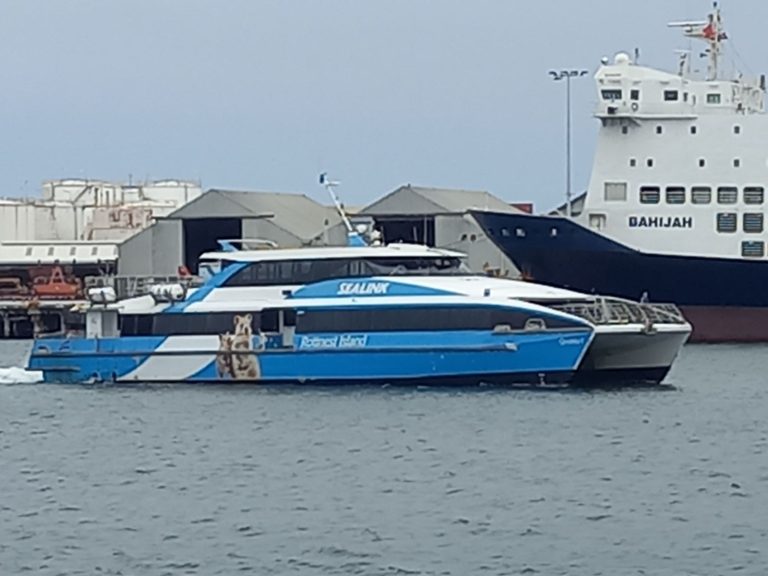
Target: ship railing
{"points": [[617, 311], [132, 286]]}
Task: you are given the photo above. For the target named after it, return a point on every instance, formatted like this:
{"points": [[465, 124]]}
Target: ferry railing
{"points": [[617, 311], [133, 286]]}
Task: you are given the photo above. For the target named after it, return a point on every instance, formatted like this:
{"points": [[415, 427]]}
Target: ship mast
{"points": [[710, 31]]}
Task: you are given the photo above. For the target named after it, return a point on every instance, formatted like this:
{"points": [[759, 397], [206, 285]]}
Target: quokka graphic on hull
{"points": [[237, 358]]}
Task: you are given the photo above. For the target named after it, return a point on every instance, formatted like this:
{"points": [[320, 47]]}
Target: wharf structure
{"points": [[52, 244]]}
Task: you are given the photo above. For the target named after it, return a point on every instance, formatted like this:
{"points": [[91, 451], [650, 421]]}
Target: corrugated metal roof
{"points": [[296, 213], [438, 200]]}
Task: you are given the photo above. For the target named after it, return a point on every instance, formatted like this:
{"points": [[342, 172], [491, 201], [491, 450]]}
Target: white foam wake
{"points": [[17, 375]]}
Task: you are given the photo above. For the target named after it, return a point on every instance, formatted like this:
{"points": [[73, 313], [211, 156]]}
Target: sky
{"points": [[266, 94]]}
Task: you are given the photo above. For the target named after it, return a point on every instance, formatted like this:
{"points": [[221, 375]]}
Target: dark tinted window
{"points": [[416, 318], [307, 271], [182, 323]]}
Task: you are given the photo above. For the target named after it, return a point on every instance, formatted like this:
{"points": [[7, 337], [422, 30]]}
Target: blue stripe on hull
{"points": [[559, 252], [530, 354]]}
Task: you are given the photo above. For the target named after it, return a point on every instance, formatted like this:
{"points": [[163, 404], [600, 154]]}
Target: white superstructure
{"points": [[681, 162]]}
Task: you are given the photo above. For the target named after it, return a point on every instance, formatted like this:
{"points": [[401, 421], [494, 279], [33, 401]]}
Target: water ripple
{"points": [[383, 481]]}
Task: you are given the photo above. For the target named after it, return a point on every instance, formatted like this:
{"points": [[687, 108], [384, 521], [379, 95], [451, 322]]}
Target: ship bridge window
{"points": [[289, 272], [634, 95], [675, 195], [753, 249], [713, 98], [671, 95], [701, 195], [611, 94], [753, 194], [650, 195], [752, 222], [726, 222], [615, 191], [727, 195]]}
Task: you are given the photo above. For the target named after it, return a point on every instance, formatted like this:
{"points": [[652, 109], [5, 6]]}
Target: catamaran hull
{"points": [[631, 355]]}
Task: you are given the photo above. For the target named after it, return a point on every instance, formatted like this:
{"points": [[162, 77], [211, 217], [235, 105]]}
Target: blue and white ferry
{"points": [[338, 331]]}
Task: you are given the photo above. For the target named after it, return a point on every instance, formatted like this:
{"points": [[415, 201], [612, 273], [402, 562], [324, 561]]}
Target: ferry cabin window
{"points": [[415, 319], [693, 130], [753, 195], [675, 195], [737, 129], [611, 95], [736, 162], [650, 195], [727, 195], [634, 95], [753, 249], [713, 98], [615, 191], [659, 129], [726, 222], [649, 162], [701, 195], [752, 222], [671, 95], [632, 162], [179, 324], [702, 162]]}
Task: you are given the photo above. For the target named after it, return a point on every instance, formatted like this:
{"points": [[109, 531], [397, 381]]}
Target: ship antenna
{"points": [[711, 31], [353, 236]]}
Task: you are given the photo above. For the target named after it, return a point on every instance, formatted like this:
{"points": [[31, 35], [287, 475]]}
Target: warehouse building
{"points": [[441, 217], [285, 219]]}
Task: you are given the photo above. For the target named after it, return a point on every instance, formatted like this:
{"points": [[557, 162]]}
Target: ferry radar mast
{"points": [[709, 30], [354, 237]]}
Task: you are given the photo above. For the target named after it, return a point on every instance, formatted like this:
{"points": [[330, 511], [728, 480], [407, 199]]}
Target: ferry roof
{"points": [[333, 252]]}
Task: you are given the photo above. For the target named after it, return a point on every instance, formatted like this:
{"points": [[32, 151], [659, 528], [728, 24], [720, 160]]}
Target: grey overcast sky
{"points": [[265, 94]]}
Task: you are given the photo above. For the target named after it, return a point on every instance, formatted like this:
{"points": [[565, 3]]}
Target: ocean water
{"points": [[228, 480]]}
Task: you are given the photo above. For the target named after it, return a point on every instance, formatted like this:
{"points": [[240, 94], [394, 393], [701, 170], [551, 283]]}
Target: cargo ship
{"points": [[675, 207]]}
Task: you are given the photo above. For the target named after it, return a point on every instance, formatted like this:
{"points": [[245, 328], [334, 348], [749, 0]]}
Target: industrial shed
{"points": [[440, 217], [290, 220]]}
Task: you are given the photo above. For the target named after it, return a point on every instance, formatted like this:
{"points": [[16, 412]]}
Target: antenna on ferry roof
{"points": [[353, 236]]}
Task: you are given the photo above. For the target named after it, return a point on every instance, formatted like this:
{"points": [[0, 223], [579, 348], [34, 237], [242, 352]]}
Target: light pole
{"points": [[567, 75]]}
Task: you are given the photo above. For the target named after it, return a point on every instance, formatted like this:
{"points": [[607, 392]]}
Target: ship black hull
{"points": [[725, 300]]}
